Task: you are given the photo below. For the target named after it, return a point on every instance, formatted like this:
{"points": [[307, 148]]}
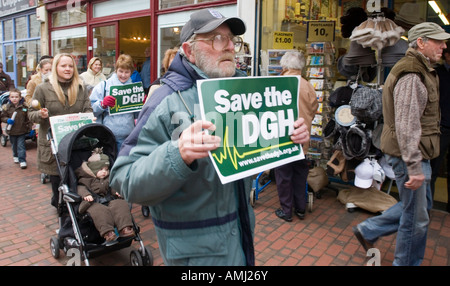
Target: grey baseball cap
{"points": [[206, 20], [427, 29]]}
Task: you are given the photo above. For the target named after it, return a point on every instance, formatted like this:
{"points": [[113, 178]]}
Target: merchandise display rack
{"points": [[319, 73]]}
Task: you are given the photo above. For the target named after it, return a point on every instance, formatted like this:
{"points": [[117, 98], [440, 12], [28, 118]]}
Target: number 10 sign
{"points": [[320, 31]]}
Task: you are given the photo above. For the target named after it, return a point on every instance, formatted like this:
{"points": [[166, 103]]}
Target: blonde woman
{"points": [[94, 74], [64, 93]]}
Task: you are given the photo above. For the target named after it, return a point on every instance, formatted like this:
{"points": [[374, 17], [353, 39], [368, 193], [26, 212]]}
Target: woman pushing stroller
{"points": [[105, 206]]}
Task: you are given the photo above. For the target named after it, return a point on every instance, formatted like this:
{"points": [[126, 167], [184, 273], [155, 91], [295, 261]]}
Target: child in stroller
{"points": [[76, 230], [106, 208]]}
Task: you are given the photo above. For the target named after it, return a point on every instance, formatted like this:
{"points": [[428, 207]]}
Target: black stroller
{"points": [[77, 232]]}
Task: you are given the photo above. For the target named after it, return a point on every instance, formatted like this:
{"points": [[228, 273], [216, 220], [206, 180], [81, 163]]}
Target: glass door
{"points": [[104, 46]]}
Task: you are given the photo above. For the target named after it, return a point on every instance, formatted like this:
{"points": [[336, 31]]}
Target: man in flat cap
{"points": [[164, 163], [410, 139]]}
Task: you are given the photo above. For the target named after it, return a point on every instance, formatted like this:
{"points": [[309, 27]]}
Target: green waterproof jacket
{"points": [[196, 217]]}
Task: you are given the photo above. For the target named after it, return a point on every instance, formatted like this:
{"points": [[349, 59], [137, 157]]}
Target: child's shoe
{"points": [[127, 232], [23, 165], [110, 236], [16, 160]]}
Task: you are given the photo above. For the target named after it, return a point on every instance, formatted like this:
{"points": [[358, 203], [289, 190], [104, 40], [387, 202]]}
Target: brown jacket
{"points": [[5, 82], [417, 137], [47, 97], [307, 102], [22, 125], [35, 80]]}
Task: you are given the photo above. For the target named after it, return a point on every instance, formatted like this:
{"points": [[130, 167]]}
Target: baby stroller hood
{"points": [[71, 144]]}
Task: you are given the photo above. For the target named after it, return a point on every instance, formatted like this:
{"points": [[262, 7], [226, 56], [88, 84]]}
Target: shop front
{"points": [[107, 29], [20, 47], [337, 55]]}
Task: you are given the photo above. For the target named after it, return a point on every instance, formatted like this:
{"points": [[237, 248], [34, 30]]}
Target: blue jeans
{"points": [[18, 147], [409, 217]]}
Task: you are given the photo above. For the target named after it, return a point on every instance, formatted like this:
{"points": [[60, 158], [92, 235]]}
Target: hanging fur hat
{"points": [[352, 18]]}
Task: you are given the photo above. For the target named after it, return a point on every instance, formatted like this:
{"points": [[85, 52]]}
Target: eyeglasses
{"points": [[219, 42]]}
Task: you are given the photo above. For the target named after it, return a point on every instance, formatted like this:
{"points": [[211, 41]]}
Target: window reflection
{"points": [[74, 42], [35, 30], [68, 17], [21, 28], [164, 4], [27, 55], [8, 30]]}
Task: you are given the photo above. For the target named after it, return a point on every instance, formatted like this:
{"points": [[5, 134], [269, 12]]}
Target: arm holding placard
{"points": [[98, 95], [195, 143]]}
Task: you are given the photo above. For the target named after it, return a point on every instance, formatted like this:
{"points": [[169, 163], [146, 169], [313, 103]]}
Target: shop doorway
{"points": [[134, 38], [128, 36]]}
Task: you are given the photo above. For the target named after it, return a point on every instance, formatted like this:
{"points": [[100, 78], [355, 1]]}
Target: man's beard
{"points": [[211, 68]]}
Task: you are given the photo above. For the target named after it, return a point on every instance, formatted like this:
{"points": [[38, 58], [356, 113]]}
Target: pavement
{"points": [[323, 238]]}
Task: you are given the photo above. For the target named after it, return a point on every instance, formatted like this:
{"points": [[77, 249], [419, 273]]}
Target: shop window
{"points": [[21, 27], [9, 59], [69, 17], [170, 38], [8, 25], [27, 55], [115, 7], [164, 4], [35, 29], [72, 41], [105, 47]]}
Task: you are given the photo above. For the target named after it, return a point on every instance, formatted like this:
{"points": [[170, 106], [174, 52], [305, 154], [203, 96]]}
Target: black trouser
{"points": [[437, 162], [291, 185]]}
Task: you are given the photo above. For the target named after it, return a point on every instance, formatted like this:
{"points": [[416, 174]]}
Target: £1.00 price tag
{"points": [[283, 40]]}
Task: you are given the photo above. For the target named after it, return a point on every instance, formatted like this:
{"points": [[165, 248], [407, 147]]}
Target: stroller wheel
{"points": [[3, 140], [54, 247], [148, 259], [136, 258]]}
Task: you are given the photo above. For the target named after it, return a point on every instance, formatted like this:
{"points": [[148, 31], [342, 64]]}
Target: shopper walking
{"points": [[410, 138], [291, 178], [63, 94], [120, 124], [43, 72], [5, 81], [145, 72], [444, 103], [94, 74], [15, 114]]}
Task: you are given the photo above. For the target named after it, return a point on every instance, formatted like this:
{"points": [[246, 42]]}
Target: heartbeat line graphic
{"points": [[234, 154], [118, 107]]}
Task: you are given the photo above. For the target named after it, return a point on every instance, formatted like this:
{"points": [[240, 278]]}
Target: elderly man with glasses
{"points": [[165, 164]]}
